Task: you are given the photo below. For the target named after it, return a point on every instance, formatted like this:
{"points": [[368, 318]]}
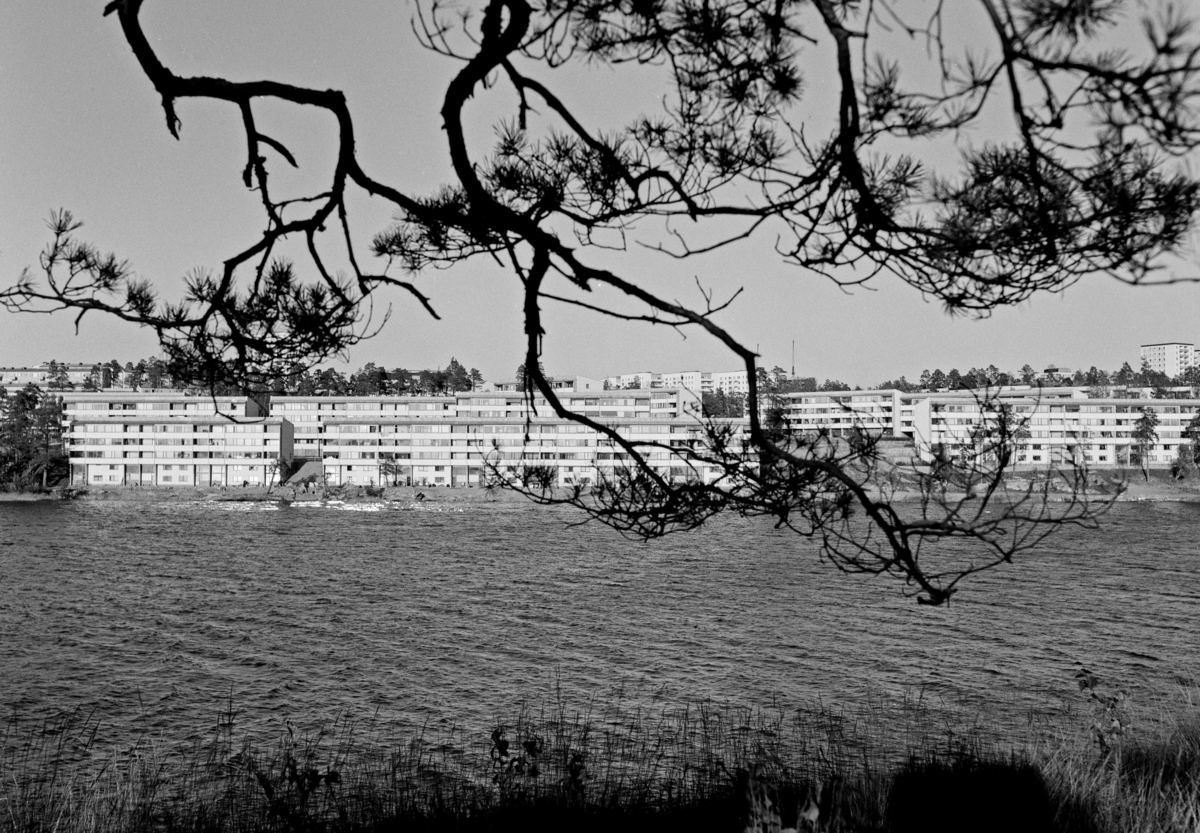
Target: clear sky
{"points": [[81, 128]]}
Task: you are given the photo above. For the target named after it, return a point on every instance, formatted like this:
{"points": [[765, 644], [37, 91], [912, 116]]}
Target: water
{"points": [[162, 617]]}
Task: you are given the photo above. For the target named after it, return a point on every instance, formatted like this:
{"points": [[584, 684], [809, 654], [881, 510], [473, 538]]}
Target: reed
{"points": [[611, 765]]}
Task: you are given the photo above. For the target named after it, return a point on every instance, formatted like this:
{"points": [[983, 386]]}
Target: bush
{"points": [[940, 795], [1184, 466]]}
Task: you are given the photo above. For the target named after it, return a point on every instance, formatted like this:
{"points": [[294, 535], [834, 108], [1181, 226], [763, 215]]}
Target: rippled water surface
{"points": [[160, 615]]}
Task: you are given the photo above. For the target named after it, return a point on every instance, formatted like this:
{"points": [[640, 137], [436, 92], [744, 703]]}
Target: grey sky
{"points": [[82, 129]]}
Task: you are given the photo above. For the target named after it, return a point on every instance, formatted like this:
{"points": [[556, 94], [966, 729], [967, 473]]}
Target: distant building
{"points": [[557, 383], [1054, 371], [731, 381], [693, 380], [40, 375], [1171, 357], [1061, 425], [634, 381], [699, 382]]}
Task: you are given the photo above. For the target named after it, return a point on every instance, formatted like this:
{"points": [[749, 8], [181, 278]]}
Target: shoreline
{"points": [[1136, 491], [260, 494]]}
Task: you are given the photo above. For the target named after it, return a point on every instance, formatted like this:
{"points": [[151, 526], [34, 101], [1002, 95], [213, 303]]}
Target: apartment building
{"points": [[644, 380], [693, 380], [660, 403], [361, 447], [698, 381], [309, 414], [173, 439], [731, 381], [463, 451], [40, 375], [565, 384], [840, 413], [1054, 371], [447, 441], [1062, 425], [1171, 358], [173, 404]]}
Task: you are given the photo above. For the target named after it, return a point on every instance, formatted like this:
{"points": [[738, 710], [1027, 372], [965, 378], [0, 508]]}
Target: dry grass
{"points": [[883, 767]]}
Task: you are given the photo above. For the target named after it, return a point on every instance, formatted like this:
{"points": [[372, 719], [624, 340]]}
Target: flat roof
{"points": [[289, 398], [539, 420], [148, 396], [197, 419]]}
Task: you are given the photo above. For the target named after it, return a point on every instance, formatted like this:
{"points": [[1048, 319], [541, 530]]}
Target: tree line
{"points": [[155, 373], [777, 381], [31, 441], [991, 376]]}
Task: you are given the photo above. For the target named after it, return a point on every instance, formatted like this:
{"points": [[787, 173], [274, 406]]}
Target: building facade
{"points": [[699, 382], [176, 439], [1057, 426], [463, 451], [1171, 358], [557, 383], [76, 374], [634, 381], [173, 439], [731, 381], [693, 380]]}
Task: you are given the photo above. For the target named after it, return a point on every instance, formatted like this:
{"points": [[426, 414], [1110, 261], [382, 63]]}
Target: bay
{"points": [[170, 618]]}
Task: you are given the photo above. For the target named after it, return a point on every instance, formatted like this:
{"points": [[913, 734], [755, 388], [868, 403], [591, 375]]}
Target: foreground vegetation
{"points": [[31, 442], [896, 768]]}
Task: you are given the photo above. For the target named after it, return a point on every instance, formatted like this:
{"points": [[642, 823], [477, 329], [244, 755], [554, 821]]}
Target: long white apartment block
{"points": [[172, 404], [176, 439], [839, 413], [454, 450], [450, 440], [662, 403], [310, 414], [1060, 425], [1171, 358], [173, 439], [466, 452], [40, 375]]}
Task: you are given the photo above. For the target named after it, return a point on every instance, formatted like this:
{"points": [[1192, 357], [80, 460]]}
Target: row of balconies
{"points": [[77, 455], [172, 431], [81, 442]]}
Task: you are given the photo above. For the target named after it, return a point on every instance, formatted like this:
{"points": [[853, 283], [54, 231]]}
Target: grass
{"points": [[883, 767]]}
